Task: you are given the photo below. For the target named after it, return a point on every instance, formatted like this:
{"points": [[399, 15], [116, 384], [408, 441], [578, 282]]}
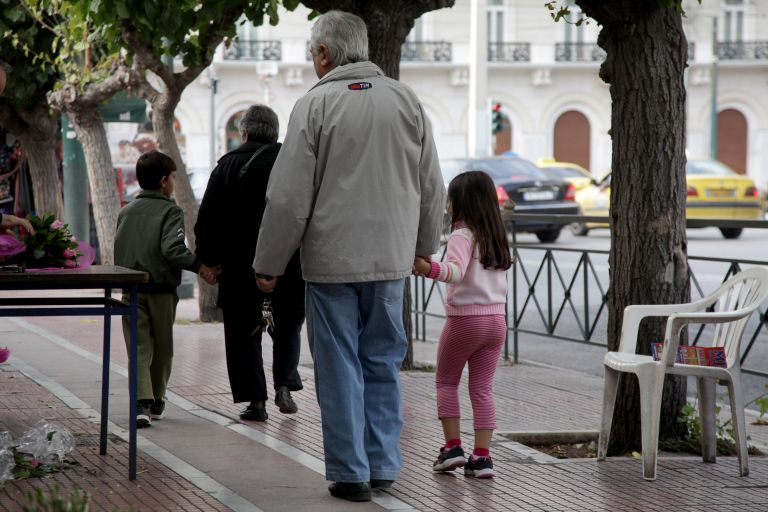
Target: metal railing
{"points": [[254, 50], [591, 52], [568, 300], [427, 51], [509, 52], [742, 50]]}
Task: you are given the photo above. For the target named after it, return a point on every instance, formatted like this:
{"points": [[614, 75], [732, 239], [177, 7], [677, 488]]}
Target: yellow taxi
{"points": [[715, 191], [570, 172]]}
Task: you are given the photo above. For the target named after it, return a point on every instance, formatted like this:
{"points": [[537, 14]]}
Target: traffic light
{"points": [[497, 119]]}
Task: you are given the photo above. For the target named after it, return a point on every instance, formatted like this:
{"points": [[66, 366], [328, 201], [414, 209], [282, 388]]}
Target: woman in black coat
{"points": [[227, 231]]}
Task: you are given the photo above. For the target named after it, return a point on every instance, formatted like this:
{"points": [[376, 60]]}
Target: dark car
{"points": [[526, 185]]}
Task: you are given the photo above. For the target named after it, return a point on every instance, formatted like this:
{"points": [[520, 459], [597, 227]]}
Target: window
{"points": [[233, 131], [416, 35], [573, 33], [733, 21], [495, 21]]}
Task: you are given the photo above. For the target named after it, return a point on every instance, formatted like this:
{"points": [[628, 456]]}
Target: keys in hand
{"points": [[267, 321]]}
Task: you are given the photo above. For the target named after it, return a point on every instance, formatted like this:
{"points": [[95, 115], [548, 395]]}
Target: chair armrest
{"points": [[634, 314]]}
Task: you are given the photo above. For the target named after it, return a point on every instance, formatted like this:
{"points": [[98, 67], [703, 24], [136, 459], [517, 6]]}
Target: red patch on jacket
{"points": [[359, 86]]}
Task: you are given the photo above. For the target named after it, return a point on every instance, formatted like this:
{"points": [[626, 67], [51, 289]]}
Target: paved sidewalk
{"points": [[202, 457]]}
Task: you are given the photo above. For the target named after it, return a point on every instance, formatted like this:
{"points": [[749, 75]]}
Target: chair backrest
{"points": [[742, 294]]}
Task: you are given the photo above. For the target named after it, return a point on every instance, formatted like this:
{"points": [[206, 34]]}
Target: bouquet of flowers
{"points": [[52, 245]]}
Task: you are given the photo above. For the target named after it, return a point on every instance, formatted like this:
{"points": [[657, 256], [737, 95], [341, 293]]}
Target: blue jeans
{"points": [[358, 343]]}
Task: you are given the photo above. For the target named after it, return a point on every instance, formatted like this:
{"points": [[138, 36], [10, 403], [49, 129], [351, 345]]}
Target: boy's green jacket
{"points": [[150, 237]]}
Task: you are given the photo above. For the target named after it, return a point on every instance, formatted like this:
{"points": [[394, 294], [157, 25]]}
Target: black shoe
{"points": [[143, 415], [448, 460], [254, 413], [381, 484], [157, 409], [352, 491], [479, 467], [284, 401]]}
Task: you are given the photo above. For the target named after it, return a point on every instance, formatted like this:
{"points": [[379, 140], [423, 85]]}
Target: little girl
{"points": [[475, 270]]}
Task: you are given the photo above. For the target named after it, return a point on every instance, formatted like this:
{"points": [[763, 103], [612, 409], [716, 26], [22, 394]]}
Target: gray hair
{"points": [[344, 34], [260, 122]]}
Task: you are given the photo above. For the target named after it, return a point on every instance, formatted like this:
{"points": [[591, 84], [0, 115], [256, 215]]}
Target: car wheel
{"points": [[548, 235], [731, 232], [578, 229]]}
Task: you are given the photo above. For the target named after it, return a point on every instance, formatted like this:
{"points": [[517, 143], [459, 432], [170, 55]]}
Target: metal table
{"points": [[97, 277]]}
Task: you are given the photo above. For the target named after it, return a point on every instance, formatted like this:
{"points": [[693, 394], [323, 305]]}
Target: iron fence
{"points": [[562, 293]]}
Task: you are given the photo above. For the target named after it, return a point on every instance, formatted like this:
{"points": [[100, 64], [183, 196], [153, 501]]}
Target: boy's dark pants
{"points": [[244, 361], [156, 314]]}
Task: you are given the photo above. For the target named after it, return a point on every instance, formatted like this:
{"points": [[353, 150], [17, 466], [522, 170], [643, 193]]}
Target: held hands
{"points": [[210, 274], [422, 266], [266, 283]]}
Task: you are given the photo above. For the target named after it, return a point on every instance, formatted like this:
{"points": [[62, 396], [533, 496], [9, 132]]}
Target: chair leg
{"points": [[739, 425], [706, 388], [610, 388], [651, 387]]}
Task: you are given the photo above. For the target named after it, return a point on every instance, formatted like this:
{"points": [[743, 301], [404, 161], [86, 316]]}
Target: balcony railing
{"points": [[427, 51], [578, 52], [254, 50], [590, 52], [509, 52], [743, 50]]}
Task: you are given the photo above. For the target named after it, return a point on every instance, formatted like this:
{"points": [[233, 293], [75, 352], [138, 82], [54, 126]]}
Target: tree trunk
{"points": [[89, 127], [648, 258], [39, 143]]}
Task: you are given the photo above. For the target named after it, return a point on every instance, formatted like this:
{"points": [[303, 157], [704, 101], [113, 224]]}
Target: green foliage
{"points": [[52, 245], [560, 9], [25, 47], [762, 402], [39, 501]]}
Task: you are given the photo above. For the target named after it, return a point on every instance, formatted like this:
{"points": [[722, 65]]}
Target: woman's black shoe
{"points": [[352, 491], [254, 413]]}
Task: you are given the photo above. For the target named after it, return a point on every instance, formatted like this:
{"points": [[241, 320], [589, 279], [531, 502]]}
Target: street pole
{"points": [[212, 116], [713, 95], [479, 129], [74, 182]]}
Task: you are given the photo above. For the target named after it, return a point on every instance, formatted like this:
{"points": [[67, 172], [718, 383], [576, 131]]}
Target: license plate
{"points": [[539, 195], [721, 192]]}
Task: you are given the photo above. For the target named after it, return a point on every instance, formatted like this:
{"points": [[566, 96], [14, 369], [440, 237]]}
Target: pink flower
{"points": [[73, 239], [57, 224], [69, 253], [4, 354], [70, 264]]}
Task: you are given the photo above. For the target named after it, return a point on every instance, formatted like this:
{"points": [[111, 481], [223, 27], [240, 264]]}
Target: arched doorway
{"points": [[502, 139], [232, 131], [572, 138], [732, 139]]}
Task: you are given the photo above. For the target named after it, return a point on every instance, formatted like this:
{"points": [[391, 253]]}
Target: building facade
{"points": [[542, 74]]}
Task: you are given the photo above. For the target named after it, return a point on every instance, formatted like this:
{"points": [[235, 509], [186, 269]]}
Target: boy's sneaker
{"points": [[143, 415], [479, 467], [448, 460], [157, 409]]}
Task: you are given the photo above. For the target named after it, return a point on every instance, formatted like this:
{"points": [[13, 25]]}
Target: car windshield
{"points": [[563, 172], [499, 169], [707, 168]]}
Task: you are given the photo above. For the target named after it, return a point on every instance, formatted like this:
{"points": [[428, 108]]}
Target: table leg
{"points": [[105, 374], [132, 384]]}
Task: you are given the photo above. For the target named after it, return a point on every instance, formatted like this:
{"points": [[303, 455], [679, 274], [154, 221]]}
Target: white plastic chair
{"points": [[733, 304]]}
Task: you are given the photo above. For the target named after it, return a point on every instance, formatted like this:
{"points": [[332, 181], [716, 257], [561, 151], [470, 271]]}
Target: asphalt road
{"points": [[566, 316]]}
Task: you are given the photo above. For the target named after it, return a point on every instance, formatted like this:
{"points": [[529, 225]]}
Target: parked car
{"points": [[526, 185], [715, 191], [570, 172]]}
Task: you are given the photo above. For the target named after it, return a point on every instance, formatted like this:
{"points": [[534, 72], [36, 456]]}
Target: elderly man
{"points": [[357, 185], [235, 194]]}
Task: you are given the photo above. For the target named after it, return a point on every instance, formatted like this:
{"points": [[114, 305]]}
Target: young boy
{"points": [[150, 237]]}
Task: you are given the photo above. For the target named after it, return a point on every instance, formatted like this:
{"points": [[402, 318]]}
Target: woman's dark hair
{"points": [[473, 200], [151, 167]]}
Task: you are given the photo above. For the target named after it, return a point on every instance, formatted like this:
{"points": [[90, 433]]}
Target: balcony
{"points": [[254, 50], [578, 52], [427, 51], [509, 52], [743, 50]]}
